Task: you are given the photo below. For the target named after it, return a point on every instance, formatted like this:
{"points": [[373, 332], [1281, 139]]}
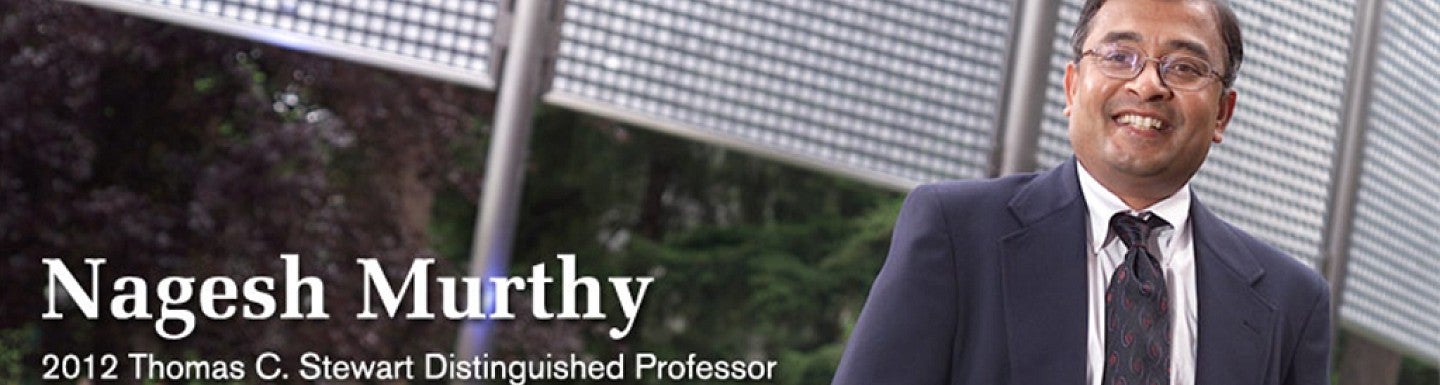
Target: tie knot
{"points": [[1133, 231]]}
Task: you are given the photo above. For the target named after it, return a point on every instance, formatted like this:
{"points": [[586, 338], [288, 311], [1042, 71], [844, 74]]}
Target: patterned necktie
{"points": [[1137, 309]]}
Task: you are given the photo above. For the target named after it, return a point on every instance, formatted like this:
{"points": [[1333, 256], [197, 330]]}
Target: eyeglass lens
{"points": [[1177, 71]]}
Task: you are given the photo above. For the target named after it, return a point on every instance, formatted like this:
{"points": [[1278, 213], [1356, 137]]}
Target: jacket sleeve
{"points": [[906, 331], [1310, 364]]}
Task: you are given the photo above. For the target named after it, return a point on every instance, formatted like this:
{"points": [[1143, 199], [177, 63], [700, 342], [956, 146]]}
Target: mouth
{"points": [[1142, 122]]}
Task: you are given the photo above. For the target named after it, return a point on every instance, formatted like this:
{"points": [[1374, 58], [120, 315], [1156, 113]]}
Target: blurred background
{"points": [[750, 155]]}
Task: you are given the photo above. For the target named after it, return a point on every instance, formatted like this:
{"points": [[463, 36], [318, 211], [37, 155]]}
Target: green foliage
{"points": [[15, 344], [785, 291], [1414, 371], [176, 153]]}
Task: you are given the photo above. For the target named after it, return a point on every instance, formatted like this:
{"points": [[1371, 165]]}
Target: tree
{"points": [[176, 153]]}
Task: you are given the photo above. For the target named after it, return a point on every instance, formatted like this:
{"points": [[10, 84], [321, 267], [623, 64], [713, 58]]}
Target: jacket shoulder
{"points": [[970, 192], [1282, 269]]}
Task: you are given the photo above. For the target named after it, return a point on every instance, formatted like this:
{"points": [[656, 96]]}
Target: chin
{"points": [[1141, 168]]}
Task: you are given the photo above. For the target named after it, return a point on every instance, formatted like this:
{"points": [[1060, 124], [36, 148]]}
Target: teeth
{"points": [[1141, 121]]}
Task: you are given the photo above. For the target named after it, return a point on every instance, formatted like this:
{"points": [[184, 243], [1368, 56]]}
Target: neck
{"points": [[1138, 193]]}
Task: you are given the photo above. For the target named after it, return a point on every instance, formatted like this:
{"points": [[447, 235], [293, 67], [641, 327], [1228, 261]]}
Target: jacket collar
{"points": [[1043, 279], [1237, 322], [1051, 191], [1225, 245]]}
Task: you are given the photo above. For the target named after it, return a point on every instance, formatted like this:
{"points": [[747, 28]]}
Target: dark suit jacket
{"points": [[985, 284]]}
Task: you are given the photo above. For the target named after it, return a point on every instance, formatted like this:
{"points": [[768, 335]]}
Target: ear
{"points": [[1069, 87], [1224, 113]]}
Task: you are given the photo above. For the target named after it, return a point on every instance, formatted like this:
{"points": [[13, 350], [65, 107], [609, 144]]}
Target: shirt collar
{"points": [[1103, 204]]}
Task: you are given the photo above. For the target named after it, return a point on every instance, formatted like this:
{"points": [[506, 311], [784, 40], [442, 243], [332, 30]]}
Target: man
{"points": [[1106, 269]]}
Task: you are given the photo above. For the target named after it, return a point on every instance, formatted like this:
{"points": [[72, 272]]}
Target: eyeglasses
{"points": [[1185, 73]]}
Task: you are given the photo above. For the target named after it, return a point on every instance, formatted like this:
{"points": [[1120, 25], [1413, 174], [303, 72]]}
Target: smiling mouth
{"points": [[1143, 122]]}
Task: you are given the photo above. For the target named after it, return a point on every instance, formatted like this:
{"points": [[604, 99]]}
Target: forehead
{"points": [[1158, 26]]}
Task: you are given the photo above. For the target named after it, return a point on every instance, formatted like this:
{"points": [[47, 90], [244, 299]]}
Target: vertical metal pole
{"points": [[1349, 151], [1023, 102], [1364, 361], [505, 164]]}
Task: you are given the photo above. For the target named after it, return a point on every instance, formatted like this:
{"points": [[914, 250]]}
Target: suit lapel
{"points": [[1236, 323], [1043, 279]]}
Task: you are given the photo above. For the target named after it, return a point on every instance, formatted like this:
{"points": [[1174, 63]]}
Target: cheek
{"points": [[1091, 95], [1202, 119]]}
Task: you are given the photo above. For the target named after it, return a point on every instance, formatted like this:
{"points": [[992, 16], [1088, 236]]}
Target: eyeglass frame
{"points": [[1161, 65]]}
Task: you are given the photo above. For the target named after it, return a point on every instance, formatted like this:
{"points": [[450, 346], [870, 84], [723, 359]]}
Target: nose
{"points": [[1148, 85]]}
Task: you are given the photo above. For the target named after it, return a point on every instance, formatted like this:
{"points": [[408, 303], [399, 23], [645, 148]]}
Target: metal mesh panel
{"points": [[1391, 290], [447, 39], [901, 88], [1054, 141], [1271, 174]]}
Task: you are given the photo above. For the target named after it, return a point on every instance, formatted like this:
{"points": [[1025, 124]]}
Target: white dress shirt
{"points": [[1106, 252]]}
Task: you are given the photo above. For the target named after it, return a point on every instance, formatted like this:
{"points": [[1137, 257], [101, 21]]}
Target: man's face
{"points": [[1121, 151]]}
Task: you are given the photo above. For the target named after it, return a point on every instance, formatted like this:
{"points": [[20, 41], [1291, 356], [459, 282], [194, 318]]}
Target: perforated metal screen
{"points": [[901, 88], [1392, 290], [445, 39], [892, 90]]}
